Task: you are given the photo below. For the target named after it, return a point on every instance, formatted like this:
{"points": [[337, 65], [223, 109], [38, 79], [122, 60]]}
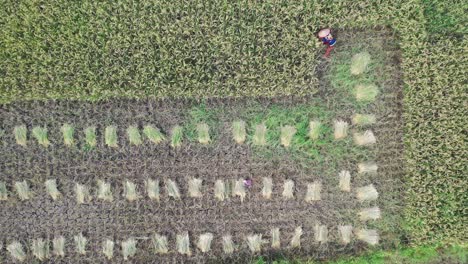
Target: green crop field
{"points": [[215, 131]]}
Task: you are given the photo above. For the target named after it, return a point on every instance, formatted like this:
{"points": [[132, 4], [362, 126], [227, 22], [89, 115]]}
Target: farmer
{"points": [[327, 39], [248, 182]]}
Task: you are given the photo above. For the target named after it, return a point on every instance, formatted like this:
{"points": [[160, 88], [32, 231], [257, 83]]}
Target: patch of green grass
{"points": [[153, 134], [134, 135], [40, 134], [68, 132], [110, 136], [176, 136]]}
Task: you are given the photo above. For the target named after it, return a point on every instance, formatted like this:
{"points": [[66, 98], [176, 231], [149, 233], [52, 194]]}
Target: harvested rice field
{"points": [[212, 180]]}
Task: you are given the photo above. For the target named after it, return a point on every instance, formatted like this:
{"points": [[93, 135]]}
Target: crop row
{"points": [[154, 134], [222, 189], [40, 248]]}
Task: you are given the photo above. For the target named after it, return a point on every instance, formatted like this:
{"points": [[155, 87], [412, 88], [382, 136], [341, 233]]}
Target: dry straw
{"points": [[341, 129], [275, 238], [267, 188], [172, 189], [23, 191], [134, 135], [345, 181], [52, 190], [104, 191], [367, 167], [321, 233], [287, 134], [238, 131], [153, 134], [160, 243], [372, 213], [152, 188], [183, 244], [359, 63], [82, 194], [313, 192], [108, 248], [296, 239], [3, 192], [254, 242], [90, 136], [259, 137], [16, 250], [20, 133], [194, 187], [204, 242], [220, 190], [40, 133], [363, 139], [367, 193], [130, 191], [239, 189], [58, 244], [176, 136], [369, 236], [228, 244], [366, 93], [314, 129], [363, 120], [129, 248], [345, 233], [288, 189], [203, 133], [80, 244], [40, 249], [67, 133], [110, 136]]}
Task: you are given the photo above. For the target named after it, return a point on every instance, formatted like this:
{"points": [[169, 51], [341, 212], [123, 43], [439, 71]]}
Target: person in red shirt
{"points": [[327, 39]]}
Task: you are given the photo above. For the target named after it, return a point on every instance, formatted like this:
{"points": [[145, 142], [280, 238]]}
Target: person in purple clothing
{"points": [[327, 39]]}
